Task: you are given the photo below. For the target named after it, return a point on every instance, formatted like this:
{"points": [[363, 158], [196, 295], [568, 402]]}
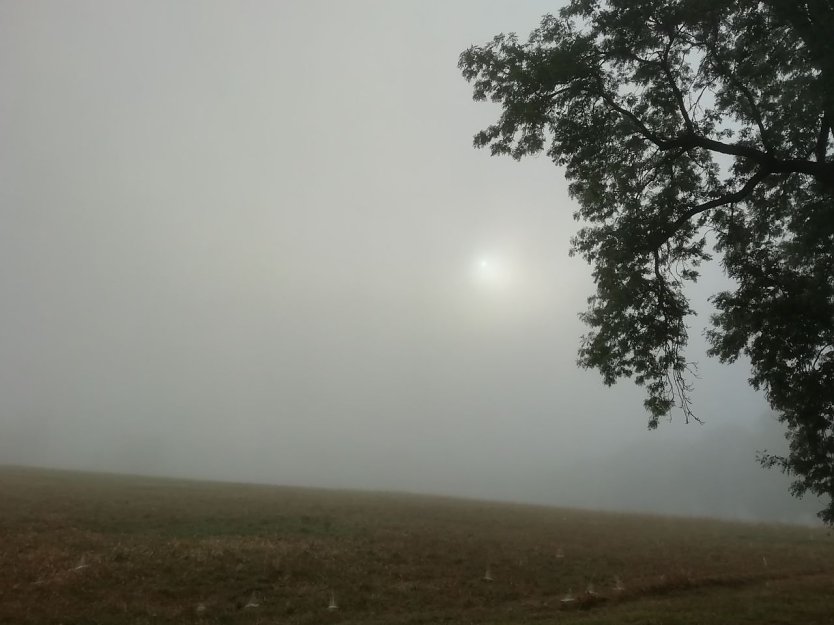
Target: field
{"points": [[104, 549]]}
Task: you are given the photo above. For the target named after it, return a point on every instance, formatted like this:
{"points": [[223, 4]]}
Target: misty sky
{"points": [[252, 241]]}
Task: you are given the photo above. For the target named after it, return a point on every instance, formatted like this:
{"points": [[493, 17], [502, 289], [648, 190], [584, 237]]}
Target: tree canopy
{"points": [[690, 129]]}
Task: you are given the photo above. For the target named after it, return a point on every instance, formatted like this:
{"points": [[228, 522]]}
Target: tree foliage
{"points": [[690, 129]]}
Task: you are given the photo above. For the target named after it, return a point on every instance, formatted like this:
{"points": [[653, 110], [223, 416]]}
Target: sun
{"points": [[491, 271]]}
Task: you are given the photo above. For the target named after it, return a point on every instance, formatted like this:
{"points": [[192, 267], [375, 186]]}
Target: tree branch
{"points": [[669, 158], [664, 63], [553, 94], [721, 67], [676, 384], [659, 141], [822, 171], [729, 198]]}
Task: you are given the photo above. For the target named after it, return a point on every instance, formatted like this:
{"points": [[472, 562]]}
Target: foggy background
{"points": [[252, 241]]}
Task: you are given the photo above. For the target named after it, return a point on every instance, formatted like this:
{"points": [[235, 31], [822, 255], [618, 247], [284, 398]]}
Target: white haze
{"points": [[252, 241]]}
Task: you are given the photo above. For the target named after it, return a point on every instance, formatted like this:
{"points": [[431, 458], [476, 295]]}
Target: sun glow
{"points": [[492, 272]]}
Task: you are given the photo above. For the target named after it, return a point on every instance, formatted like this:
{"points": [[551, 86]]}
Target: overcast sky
{"points": [[252, 241]]}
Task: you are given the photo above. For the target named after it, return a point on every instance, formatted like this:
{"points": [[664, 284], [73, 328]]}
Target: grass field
{"points": [[103, 549]]}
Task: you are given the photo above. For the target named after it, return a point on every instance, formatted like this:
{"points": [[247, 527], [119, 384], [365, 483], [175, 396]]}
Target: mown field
{"points": [[104, 549]]}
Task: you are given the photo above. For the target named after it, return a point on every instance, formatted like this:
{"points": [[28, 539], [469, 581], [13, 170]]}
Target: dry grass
{"points": [[84, 548]]}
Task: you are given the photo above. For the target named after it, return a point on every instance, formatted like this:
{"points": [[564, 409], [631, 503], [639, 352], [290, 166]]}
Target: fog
{"points": [[252, 241]]}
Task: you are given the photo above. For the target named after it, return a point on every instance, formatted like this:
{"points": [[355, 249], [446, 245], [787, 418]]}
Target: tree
{"points": [[687, 129]]}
